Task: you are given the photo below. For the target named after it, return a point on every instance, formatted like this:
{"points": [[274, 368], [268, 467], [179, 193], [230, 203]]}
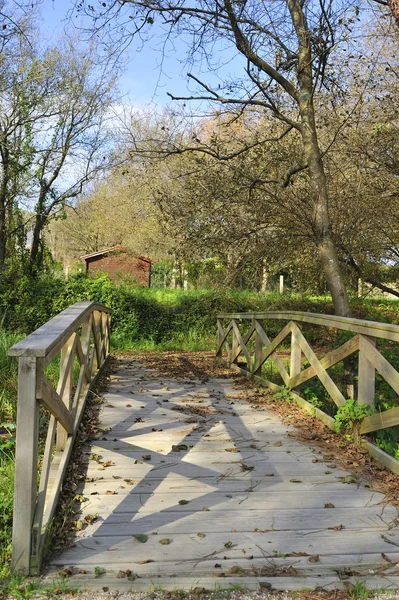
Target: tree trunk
{"points": [[319, 192], [35, 252]]}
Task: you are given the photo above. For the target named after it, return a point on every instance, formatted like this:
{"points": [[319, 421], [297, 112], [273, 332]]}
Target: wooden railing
{"points": [[79, 339], [243, 336]]}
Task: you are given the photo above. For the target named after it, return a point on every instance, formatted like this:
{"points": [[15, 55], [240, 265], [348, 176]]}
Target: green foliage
{"points": [[6, 507], [351, 413], [284, 394]]}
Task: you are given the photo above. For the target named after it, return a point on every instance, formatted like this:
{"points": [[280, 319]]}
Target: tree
{"points": [[54, 139], [286, 45]]}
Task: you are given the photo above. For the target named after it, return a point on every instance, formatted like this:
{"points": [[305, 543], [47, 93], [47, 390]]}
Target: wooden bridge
{"points": [[191, 484]]}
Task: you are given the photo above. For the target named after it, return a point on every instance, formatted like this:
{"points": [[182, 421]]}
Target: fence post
{"points": [[296, 354], [366, 374], [25, 464], [258, 348]]}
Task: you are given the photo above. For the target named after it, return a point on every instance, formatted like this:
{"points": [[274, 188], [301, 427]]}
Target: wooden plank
{"points": [[380, 363], [295, 358], [53, 334], [55, 406], [223, 338], [329, 360], [42, 493], [366, 373], [275, 357], [113, 550], [369, 328], [25, 464], [380, 420], [321, 373], [243, 341], [64, 386], [271, 347], [382, 457], [258, 348], [241, 348]]}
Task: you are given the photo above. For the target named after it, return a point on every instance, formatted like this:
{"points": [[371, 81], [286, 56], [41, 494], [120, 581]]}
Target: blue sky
{"points": [[143, 82]]}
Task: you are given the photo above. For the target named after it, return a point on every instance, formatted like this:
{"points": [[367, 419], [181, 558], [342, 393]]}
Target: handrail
{"points": [[387, 331], [79, 333], [255, 348]]}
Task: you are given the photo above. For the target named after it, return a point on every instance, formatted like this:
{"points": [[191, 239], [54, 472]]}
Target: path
{"points": [[217, 493]]}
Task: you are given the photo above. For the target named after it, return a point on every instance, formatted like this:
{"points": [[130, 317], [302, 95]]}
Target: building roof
{"points": [[109, 250]]}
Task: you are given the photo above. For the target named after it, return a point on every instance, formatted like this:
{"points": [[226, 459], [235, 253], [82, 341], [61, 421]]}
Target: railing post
{"points": [[234, 346], [366, 374], [220, 337], [26, 466], [258, 347], [296, 354]]}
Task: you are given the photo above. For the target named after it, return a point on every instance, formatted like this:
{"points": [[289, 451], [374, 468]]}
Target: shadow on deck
{"points": [[193, 486]]}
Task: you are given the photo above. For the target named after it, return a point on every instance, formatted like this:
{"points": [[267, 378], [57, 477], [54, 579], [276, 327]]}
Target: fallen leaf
{"points": [[349, 479], [144, 562], [90, 518], [329, 505], [292, 554], [218, 566], [146, 456], [165, 541], [140, 390], [183, 501], [141, 537], [67, 572], [314, 559], [336, 528], [179, 447], [116, 477], [201, 535], [99, 571], [278, 444], [231, 449], [139, 420], [205, 509], [108, 463], [110, 493], [228, 544], [138, 462], [295, 480]]}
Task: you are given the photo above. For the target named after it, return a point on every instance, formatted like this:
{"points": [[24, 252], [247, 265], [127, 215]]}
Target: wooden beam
{"points": [[380, 420], [330, 359], [271, 347], [25, 465], [371, 328], [241, 347], [51, 336], [321, 373], [385, 369], [55, 406], [366, 373]]}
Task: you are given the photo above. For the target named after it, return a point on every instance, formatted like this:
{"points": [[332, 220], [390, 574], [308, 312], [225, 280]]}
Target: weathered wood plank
{"points": [[369, 328], [271, 347], [55, 332], [329, 360], [26, 456], [321, 373], [54, 405]]}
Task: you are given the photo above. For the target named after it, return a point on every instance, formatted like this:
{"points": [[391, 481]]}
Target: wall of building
{"points": [[121, 264]]}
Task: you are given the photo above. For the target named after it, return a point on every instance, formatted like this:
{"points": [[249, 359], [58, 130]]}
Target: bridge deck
{"points": [[194, 487]]}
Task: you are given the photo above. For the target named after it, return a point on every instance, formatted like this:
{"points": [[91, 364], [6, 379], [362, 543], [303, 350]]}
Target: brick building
{"points": [[120, 262]]}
